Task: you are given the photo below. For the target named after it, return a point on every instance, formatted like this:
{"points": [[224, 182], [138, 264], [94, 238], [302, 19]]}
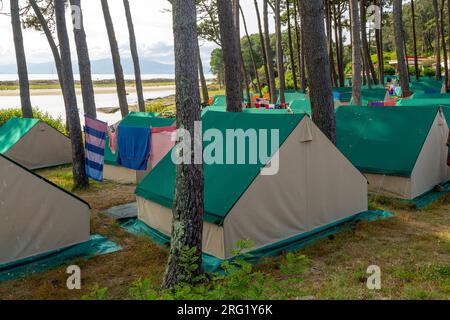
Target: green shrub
{"points": [[389, 70], [429, 72], [57, 123]]}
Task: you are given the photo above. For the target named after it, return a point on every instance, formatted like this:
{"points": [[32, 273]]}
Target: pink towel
{"points": [[163, 140], [112, 134]]}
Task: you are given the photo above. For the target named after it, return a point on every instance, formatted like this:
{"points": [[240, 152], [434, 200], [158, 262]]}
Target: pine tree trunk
{"points": [[437, 41], [444, 45], [231, 56], [280, 55], [291, 46], [187, 226], [135, 56], [339, 44], [416, 58], [80, 179], [318, 65], [252, 52], [84, 63], [356, 53], [201, 73], [399, 44], [298, 43], [261, 40], [22, 71], [53, 47], [365, 43], [270, 67], [330, 41], [118, 71], [380, 45]]}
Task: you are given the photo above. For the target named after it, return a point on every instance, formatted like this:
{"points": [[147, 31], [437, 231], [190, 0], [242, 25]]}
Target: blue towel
{"points": [[133, 147]]}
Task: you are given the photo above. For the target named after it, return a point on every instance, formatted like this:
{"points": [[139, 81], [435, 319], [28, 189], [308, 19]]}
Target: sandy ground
{"points": [[98, 90]]}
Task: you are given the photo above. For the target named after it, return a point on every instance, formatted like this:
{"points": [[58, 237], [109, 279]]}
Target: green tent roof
{"points": [[290, 96], [137, 120], [224, 183], [384, 140], [423, 102], [370, 95], [301, 106], [265, 111], [430, 96], [13, 130]]}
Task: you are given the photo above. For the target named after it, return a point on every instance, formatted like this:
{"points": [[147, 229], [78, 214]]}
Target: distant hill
{"points": [[103, 66]]}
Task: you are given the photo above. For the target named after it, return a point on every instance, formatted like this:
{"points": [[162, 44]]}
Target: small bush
{"points": [[389, 70], [429, 72], [57, 123]]}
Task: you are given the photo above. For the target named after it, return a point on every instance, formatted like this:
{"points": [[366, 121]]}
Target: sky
{"points": [[153, 27]]}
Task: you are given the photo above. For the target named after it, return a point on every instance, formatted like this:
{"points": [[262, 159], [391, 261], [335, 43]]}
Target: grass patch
{"points": [[412, 250]]}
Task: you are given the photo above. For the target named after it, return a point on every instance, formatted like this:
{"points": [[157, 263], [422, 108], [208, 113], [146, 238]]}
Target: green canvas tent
{"points": [[402, 151], [290, 96], [423, 102], [301, 106], [37, 217], [431, 96], [115, 172], [374, 94], [34, 144], [304, 185]]}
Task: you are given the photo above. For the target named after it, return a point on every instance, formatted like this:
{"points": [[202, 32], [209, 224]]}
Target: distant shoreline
{"points": [[97, 90]]}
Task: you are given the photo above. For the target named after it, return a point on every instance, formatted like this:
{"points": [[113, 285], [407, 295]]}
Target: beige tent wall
{"points": [[431, 167], [124, 175], [315, 186], [160, 218], [35, 216], [394, 186], [42, 147]]}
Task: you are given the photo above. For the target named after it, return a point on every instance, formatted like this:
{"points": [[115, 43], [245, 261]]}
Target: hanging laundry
{"points": [[163, 140], [112, 134], [95, 140], [133, 147]]}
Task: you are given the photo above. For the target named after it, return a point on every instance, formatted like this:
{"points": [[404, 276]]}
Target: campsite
{"points": [[298, 151]]}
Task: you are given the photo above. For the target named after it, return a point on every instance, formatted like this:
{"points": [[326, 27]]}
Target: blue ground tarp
{"points": [[213, 264], [428, 198], [98, 245]]}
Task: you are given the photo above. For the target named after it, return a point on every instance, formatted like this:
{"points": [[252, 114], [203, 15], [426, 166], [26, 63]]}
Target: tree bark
{"points": [[280, 55], [270, 67], [339, 51], [135, 56], [330, 41], [22, 71], [399, 44], [84, 63], [231, 57], [356, 53], [80, 179], [187, 226], [252, 52], [437, 41], [261, 40], [365, 44], [380, 45], [298, 44], [291, 46], [318, 65], [416, 58], [444, 45], [201, 73], [118, 71], [53, 47]]}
